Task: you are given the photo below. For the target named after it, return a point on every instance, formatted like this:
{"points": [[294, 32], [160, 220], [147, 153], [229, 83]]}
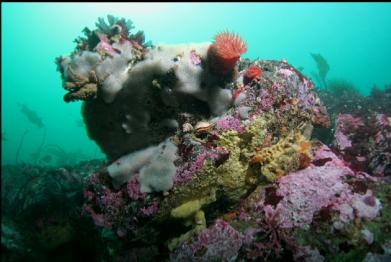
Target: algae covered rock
{"points": [[41, 213], [210, 156]]}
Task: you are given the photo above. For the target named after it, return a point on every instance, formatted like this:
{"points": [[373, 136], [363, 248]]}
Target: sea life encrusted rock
{"points": [[194, 135]]}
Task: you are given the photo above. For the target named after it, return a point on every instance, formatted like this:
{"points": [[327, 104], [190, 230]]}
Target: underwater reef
{"points": [[210, 157]]}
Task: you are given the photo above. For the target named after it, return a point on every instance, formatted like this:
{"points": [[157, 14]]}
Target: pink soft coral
{"points": [[104, 46]]}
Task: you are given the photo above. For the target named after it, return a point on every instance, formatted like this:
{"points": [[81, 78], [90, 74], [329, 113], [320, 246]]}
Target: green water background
{"points": [[355, 38]]}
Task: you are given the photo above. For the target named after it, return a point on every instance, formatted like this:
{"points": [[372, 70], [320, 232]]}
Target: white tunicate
{"points": [[241, 97], [125, 167], [63, 65], [83, 63], [157, 175], [126, 50], [191, 77], [177, 57], [114, 71], [188, 74], [155, 165], [220, 100], [244, 111], [112, 85]]}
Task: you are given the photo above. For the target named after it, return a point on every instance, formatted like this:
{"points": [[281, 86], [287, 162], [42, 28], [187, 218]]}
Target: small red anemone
{"points": [[253, 72]]}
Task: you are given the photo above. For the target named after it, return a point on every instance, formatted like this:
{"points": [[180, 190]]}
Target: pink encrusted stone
{"points": [[230, 122], [285, 72], [133, 188], [151, 210], [348, 121], [342, 141], [221, 242], [346, 124], [186, 172], [307, 191], [99, 219]]}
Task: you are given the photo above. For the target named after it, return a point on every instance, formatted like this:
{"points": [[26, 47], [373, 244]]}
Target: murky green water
{"points": [[354, 38]]}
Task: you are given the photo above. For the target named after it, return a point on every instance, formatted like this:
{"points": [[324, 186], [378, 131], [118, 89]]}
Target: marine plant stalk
{"points": [[20, 146]]}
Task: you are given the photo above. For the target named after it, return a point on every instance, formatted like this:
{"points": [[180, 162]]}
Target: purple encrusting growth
{"points": [[186, 172], [118, 210], [266, 100], [251, 98], [150, 210], [307, 191], [285, 72], [111, 202], [230, 122], [220, 242], [133, 189], [365, 142], [342, 141], [307, 98], [345, 124], [381, 155]]}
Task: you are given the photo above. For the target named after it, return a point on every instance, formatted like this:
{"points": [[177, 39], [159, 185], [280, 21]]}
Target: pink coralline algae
{"points": [[220, 242], [346, 124], [133, 188], [348, 121], [266, 99], [111, 203], [195, 58], [342, 141], [186, 172], [104, 205], [98, 219], [114, 209], [230, 122], [285, 72], [381, 155], [365, 142], [151, 210], [88, 195], [307, 191], [266, 103]]}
